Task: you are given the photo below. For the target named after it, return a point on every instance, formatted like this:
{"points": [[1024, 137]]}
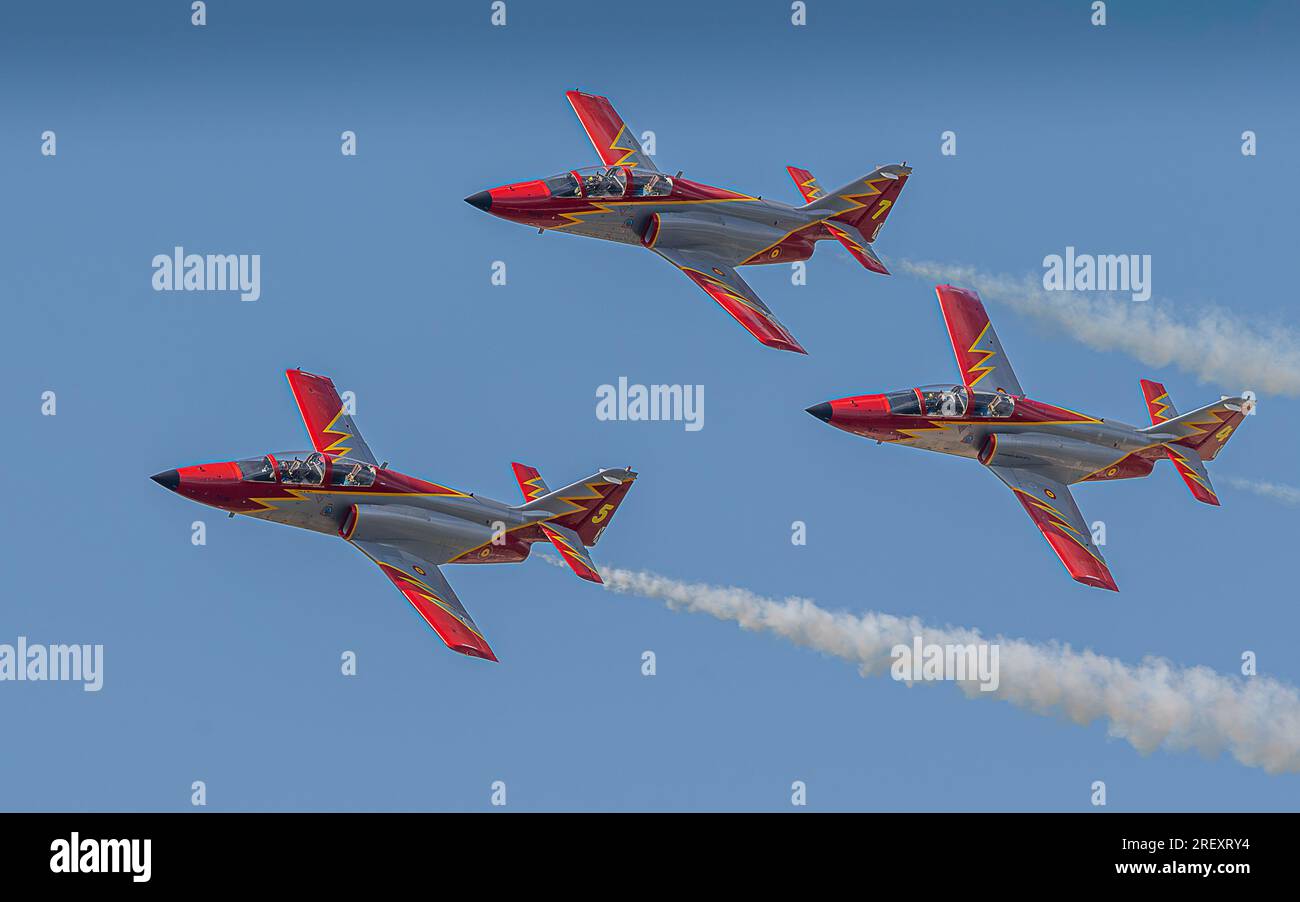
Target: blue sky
{"points": [[222, 661]]}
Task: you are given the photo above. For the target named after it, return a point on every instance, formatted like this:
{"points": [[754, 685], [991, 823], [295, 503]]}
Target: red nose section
{"points": [[846, 413], [214, 484], [520, 192]]}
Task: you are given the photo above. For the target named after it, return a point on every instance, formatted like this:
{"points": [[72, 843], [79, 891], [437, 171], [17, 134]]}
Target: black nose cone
{"points": [[168, 479], [482, 200], [821, 411]]}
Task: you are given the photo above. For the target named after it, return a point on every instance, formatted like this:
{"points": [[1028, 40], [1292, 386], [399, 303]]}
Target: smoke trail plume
{"points": [[1287, 494], [1151, 705], [1212, 344]]}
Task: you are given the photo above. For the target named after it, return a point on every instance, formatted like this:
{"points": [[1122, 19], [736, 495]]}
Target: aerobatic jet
{"points": [[705, 232], [1039, 450], [406, 526]]}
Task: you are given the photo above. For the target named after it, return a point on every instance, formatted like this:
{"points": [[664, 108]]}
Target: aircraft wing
{"points": [[430, 594], [329, 424], [724, 285], [1051, 506], [979, 353], [614, 139]]}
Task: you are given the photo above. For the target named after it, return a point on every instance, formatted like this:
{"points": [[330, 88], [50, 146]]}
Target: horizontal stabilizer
{"points": [[585, 507], [847, 235], [864, 204], [570, 547], [1205, 430], [1192, 469]]}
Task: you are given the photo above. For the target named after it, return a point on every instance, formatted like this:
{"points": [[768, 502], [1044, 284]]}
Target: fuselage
{"points": [[999, 430], [636, 206], [321, 492]]}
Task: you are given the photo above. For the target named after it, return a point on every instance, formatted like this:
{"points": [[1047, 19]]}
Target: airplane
{"points": [[1039, 450], [406, 526], [705, 232]]}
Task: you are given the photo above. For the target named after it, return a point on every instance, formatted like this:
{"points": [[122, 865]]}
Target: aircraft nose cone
{"points": [[821, 411], [168, 479], [482, 200]]}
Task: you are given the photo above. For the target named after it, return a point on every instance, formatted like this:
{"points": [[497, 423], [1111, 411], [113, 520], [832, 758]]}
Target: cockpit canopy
{"points": [[612, 181], [950, 401], [307, 468]]}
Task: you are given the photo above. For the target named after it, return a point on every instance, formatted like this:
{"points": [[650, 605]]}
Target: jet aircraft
{"points": [[406, 526], [705, 232], [1039, 450]]}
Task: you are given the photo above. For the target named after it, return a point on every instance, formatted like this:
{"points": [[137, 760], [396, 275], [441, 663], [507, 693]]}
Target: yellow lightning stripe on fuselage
{"points": [[914, 432], [1026, 426], [267, 502], [608, 206]]}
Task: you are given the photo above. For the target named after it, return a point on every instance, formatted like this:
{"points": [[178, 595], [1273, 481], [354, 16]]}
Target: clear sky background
{"points": [[222, 661]]}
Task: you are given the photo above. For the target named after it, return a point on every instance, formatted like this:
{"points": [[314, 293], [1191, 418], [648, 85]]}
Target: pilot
{"points": [[996, 404], [351, 478]]}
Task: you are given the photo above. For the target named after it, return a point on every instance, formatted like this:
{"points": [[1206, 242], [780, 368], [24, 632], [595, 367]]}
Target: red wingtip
{"points": [[477, 651], [1104, 581], [782, 345]]}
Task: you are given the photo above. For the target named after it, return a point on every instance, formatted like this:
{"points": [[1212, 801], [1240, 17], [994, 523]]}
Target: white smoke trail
{"points": [[1212, 344], [1151, 705], [1287, 494]]}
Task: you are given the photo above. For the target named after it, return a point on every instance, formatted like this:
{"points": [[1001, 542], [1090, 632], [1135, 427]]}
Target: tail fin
{"points": [[1158, 403], [862, 206], [807, 183], [530, 482], [579, 513], [1194, 437], [860, 250]]}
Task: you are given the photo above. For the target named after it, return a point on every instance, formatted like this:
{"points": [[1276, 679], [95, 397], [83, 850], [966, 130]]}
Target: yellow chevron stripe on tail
{"points": [[530, 482]]}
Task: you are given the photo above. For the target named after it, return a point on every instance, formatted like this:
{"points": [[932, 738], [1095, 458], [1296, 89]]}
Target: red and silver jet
{"points": [[705, 232], [406, 526], [1038, 449]]}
